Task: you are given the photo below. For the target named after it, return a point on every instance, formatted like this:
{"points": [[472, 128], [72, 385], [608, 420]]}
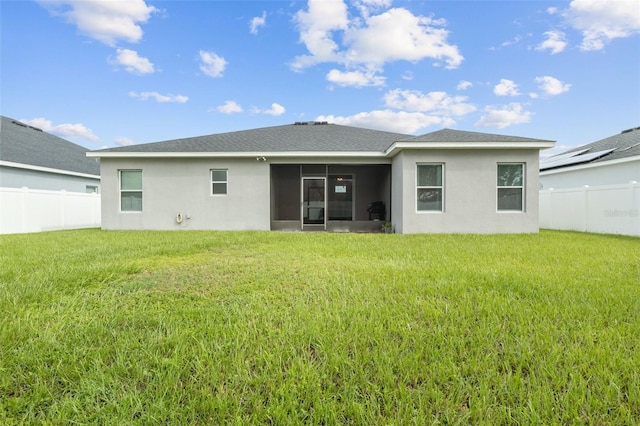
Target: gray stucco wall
{"points": [[13, 177], [172, 186], [470, 203]]}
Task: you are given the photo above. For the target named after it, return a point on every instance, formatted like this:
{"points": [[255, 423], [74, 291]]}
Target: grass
{"points": [[295, 328]]}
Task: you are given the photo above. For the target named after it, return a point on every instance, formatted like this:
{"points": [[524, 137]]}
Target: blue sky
{"points": [[105, 73]]}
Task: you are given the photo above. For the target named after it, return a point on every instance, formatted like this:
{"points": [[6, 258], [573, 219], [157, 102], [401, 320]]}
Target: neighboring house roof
{"points": [[316, 138], [620, 147], [28, 147]]}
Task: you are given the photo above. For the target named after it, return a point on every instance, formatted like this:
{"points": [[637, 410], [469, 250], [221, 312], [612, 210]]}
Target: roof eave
{"points": [[47, 170], [399, 146], [235, 154], [389, 152]]}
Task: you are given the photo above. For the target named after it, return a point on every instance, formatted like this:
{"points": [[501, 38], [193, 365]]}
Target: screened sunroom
{"points": [[330, 197]]}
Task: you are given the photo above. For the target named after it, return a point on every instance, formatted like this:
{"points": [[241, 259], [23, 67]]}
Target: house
{"points": [[609, 161], [46, 183], [30, 157], [315, 176], [594, 188]]}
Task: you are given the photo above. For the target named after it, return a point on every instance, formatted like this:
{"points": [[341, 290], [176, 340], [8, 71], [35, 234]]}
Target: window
{"points": [[430, 187], [91, 189], [511, 187], [218, 182], [131, 190]]}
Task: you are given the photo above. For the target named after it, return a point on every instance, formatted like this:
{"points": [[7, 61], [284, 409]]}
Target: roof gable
{"points": [[27, 145]]}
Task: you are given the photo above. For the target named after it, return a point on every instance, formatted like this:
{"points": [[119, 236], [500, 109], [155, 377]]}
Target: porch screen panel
{"points": [[340, 194], [285, 187]]}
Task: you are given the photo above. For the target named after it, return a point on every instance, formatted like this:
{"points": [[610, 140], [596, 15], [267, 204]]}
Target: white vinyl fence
{"points": [[33, 210], [609, 209]]}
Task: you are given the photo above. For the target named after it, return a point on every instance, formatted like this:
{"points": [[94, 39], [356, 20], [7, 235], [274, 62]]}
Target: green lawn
{"points": [[104, 327]]}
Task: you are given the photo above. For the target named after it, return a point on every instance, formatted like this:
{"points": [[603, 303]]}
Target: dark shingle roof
{"points": [[308, 137], [450, 135], [623, 145], [297, 137], [28, 145]]}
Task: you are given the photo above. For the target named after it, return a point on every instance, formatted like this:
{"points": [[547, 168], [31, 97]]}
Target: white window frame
{"points": [[213, 182], [522, 187], [441, 187], [121, 191]]}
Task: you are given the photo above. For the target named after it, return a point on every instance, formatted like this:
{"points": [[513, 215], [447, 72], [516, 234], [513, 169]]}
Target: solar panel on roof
{"points": [[563, 155], [547, 162], [578, 159]]}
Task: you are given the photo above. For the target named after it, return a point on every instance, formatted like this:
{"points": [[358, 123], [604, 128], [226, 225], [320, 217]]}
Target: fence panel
{"points": [[610, 209], [31, 210]]}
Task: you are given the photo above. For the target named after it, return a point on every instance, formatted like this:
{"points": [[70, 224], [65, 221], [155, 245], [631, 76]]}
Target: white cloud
{"points": [[555, 42], [506, 88], [316, 26], [212, 64], [397, 35], [464, 85], [408, 76], [229, 107], [370, 41], [552, 86], [133, 63], [366, 7], [66, 130], [355, 78], [511, 42], [275, 110], [437, 103], [124, 141], [515, 40], [105, 20], [504, 116], [143, 96], [601, 21], [257, 22], [388, 120]]}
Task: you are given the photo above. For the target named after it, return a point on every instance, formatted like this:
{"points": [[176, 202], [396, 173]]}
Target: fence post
{"points": [[585, 211], [551, 217], [63, 209], [23, 209], [634, 208]]}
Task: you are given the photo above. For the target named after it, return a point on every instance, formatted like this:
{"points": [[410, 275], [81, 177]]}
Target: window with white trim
{"points": [[430, 187], [219, 181], [510, 187], [130, 190]]}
